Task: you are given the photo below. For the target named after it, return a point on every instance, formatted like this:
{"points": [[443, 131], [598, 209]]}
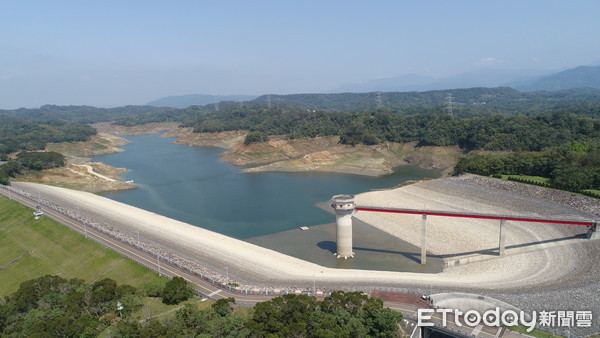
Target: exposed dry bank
{"points": [[80, 173], [324, 154]]}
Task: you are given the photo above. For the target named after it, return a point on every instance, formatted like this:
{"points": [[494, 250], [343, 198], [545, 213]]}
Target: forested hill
{"points": [[82, 114], [465, 102], [483, 102], [491, 119], [478, 101], [184, 101]]}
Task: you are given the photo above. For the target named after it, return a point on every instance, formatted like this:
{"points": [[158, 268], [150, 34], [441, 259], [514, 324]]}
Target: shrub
{"points": [[255, 137]]}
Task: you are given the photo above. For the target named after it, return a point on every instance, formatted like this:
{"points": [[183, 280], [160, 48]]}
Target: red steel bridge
{"points": [[591, 224]]}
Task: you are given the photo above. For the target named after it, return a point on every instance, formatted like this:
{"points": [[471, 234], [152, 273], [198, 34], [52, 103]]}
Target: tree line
{"points": [[26, 160], [495, 133], [574, 166], [55, 306], [81, 114]]}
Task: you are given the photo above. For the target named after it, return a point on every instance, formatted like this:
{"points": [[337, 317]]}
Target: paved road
{"points": [[203, 286], [206, 288]]}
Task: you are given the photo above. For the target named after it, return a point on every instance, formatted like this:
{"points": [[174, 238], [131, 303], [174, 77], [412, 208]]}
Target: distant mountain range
{"points": [[580, 77], [184, 101], [521, 79]]}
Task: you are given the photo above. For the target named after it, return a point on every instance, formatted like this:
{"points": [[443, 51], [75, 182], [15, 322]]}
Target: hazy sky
{"points": [[112, 53]]}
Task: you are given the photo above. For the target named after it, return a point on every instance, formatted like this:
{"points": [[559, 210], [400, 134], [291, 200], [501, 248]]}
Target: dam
{"points": [[513, 278]]}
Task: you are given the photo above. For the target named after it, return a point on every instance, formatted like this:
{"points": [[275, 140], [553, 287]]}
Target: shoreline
{"points": [[319, 154]]}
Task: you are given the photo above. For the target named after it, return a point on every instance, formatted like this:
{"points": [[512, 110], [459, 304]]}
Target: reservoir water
{"points": [[195, 186]]}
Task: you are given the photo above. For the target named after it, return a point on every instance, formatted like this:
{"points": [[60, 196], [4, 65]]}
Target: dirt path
{"points": [[91, 171]]}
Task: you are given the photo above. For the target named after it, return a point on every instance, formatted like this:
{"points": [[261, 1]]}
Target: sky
{"points": [[114, 53]]}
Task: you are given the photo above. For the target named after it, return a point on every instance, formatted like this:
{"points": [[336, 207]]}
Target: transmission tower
{"points": [[216, 104], [378, 102], [449, 104], [269, 101]]}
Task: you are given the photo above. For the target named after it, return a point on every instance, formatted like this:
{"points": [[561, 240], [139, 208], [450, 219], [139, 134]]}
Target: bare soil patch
{"points": [[77, 177], [142, 129]]}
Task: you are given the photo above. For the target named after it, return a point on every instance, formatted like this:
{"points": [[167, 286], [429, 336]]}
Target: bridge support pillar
{"points": [[501, 247], [594, 232], [424, 239]]}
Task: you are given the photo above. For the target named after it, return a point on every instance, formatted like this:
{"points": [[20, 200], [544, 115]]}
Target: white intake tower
{"points": [[344, 209]]}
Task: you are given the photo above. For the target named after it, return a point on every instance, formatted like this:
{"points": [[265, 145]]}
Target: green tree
{"points": [[339, 315], [177, 290], [223, 307]]}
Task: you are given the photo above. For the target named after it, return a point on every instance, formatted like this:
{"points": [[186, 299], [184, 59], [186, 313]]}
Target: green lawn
{"points": [[534, 333], [57, 250], [594, 191], [538, 179]]}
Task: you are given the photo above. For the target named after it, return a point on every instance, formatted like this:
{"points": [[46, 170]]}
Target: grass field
{"points": [[538, 179], [47, 247]]}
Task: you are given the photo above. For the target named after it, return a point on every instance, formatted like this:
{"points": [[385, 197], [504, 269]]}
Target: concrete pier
{"points": [[424, 239], [501, 245], [594, 232], [344, 209]]}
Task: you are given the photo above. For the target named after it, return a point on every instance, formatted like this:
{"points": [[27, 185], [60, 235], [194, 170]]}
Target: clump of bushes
{"points": [[255, 137]]}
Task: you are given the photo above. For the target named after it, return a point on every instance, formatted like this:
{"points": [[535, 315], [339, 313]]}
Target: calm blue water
{"points": [[194, 185]]}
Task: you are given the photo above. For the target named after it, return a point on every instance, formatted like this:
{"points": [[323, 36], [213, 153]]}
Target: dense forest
{"points": [[466, 103], [498, 132], [54, 306], [573, 167], [18, 134], [491, 119]]}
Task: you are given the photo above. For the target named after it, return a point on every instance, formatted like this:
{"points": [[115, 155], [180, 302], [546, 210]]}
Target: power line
{"points": [[378, 102], [449, 104]]}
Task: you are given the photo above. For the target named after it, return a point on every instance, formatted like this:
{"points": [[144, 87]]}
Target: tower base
{"points": [[344, 257]]}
